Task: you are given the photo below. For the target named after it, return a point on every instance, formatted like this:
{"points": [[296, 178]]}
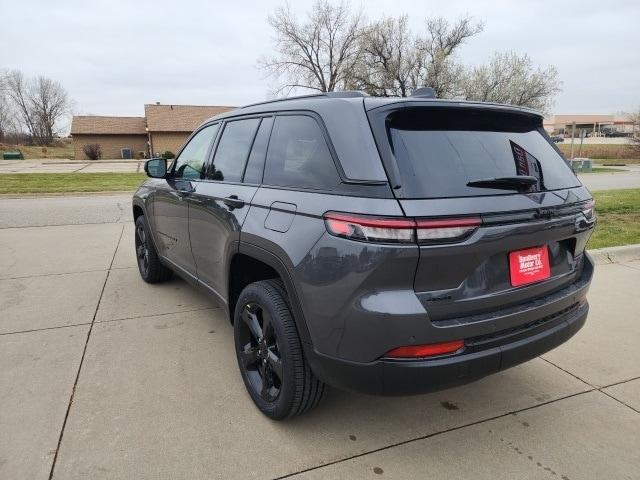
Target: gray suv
{"points": [[390, 246]]}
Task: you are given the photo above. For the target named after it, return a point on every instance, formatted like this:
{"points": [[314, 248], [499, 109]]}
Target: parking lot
{"points": [[104, 376]]}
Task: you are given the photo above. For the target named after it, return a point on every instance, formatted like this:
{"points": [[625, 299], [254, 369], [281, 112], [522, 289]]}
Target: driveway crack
{"points": [[84, 351]]}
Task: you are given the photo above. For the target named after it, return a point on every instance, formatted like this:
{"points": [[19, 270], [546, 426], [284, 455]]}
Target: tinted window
{"points": [[298, 155], [233, 150], [438, 151], [190, 162], [255, 165]]}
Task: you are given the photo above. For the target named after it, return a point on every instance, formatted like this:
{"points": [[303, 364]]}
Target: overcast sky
{"points": [[114, 56]]}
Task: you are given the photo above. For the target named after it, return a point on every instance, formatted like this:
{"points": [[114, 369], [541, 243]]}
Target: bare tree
{"points": [[389, 59], [316, 54], [394, 61], [50, 102], [438, 68], [17, 90], [635, 136], [40, 103], [509, 78]]}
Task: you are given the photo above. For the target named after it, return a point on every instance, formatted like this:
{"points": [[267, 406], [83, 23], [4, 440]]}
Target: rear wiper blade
{"points": [[518, 182]]}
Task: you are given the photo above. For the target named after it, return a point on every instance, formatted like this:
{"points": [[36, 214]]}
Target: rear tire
{"points": [[149, 265], [270, 355]]}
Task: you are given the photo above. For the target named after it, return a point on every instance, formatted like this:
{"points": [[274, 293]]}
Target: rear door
{"points": [[490, 247], [219, 205]]}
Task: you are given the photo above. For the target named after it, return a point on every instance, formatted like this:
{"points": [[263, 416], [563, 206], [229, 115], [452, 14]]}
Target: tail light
{"points": [[588, 208], [399, 230], [423, 351]]}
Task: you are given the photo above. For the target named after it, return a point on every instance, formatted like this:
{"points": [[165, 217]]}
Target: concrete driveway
{"points": [[105, 377]]}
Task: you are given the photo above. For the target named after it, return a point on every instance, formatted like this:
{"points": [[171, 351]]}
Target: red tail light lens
{"points": [[588, 208], [423, 351], [356, 227], [399, 230]]}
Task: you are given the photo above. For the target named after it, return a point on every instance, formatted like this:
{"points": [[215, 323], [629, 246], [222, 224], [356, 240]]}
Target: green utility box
{"points": [[12, 155]]}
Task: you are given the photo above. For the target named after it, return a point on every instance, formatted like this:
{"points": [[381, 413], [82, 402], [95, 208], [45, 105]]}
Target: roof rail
{"points": [[341, 94]]}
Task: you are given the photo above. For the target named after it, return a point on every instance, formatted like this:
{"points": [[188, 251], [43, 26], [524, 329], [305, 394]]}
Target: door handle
{"points": [[232, 201]]}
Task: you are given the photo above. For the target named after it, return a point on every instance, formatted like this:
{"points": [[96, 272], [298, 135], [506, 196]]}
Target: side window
{"points": [[298, 155], [191, 161], [233, 150], [255, 164]]}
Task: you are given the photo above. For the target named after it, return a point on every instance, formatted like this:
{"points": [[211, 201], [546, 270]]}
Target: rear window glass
{"points": [[438, 151]]}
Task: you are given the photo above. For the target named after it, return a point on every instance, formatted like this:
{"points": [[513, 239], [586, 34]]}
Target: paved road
{"points": [[103, 376], [628, 177]]}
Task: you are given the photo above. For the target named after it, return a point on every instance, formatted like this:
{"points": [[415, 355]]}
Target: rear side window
{"points": [[255, 164], [438, 151], [233, 150], [298, 155]]}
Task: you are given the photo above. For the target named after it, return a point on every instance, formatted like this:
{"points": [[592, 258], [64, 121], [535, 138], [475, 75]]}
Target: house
{"points": [[113, 134], [170, 125], [163, 128]]}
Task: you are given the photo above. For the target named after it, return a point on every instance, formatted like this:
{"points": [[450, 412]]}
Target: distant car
{"points": [[387, 246], [615, 133], [557, 139]]}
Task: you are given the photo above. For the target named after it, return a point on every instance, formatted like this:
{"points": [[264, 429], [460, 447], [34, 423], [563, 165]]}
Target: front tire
{"points": [[270, 355], [149, 265]]}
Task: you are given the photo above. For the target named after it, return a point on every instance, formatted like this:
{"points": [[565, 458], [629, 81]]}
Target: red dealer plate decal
{"points": [[529, 265]]}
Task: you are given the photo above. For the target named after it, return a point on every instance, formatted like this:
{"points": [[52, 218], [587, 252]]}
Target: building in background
{"points": [[595, 125], [170, 125], [163, 128], [118, 137]]}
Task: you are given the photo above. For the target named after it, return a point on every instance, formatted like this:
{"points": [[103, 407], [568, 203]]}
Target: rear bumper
{"points": [[483, 355]]}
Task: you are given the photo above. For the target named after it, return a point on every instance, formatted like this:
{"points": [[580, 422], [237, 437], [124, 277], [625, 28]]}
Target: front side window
{"points": [[233, 150], [298, 155], [190, 163]]}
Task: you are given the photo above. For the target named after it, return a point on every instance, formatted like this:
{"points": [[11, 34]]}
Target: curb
{"points": [[625, 253]]}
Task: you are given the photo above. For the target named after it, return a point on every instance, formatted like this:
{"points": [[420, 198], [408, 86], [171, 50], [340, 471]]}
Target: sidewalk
{"points": [[70, 166]]}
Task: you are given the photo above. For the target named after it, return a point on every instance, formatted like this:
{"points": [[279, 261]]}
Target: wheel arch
{"points": [[266, 265]]}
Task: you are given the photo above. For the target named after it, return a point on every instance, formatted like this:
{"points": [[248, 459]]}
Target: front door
{"points": [[170, 200]]}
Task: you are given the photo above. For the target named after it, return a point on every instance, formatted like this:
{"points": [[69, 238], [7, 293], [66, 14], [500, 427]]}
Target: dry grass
{"points": [[64, 150]]}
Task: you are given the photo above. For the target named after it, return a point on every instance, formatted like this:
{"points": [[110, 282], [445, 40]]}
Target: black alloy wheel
{"points": [[259, 352], [270, 354], [151, 268], [142, 249]]}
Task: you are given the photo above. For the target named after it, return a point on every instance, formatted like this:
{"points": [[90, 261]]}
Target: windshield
{"points": [[439, 151]]}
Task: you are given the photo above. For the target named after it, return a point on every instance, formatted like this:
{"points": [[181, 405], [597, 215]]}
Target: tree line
{"points": [[31, 108], [336, 48]]}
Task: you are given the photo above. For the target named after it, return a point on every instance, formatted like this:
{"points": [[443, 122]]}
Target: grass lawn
{"points": [[65, 150], [18, 183], [618, 213]]}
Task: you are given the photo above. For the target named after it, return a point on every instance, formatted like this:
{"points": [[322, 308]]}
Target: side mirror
{"points": [[156, 167]]}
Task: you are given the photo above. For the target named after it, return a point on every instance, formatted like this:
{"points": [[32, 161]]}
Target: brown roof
{"points": [[94, 125], [179, 118]]}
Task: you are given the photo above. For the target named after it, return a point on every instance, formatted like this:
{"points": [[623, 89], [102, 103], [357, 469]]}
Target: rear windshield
{"points": [[439, 150]]}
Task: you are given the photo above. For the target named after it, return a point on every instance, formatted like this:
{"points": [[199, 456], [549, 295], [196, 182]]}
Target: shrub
{"points": [[92, 151], [168, 155]]}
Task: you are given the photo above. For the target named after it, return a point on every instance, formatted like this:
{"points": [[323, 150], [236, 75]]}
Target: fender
{"points": [[279, 266]]}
